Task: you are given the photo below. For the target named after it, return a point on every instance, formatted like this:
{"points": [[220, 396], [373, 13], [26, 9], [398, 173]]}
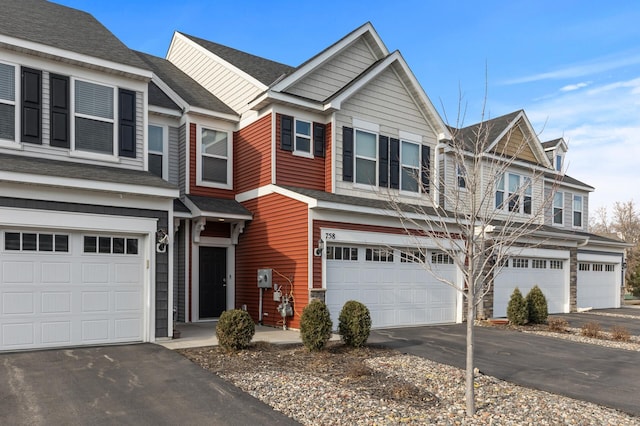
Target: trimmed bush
{"points": [[354, 324], [537, 306], [517, 308], [315, 325], [235, 329], [591, 329]]}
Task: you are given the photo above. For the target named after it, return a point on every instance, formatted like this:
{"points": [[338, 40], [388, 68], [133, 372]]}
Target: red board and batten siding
{"points": [[194, 189], [252, 156], [276, 238], [295, 170]]}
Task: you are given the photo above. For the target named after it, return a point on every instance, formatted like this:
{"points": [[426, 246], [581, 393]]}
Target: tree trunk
{"points": [[469, 382]]}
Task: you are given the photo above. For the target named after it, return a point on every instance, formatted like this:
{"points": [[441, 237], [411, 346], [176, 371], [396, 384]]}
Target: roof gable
{"points": [[61, 27]]}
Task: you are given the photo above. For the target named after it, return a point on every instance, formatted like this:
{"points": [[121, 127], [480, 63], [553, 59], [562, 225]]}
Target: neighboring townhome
{"points": [[84, 227], [574, 269], [191, 146]]}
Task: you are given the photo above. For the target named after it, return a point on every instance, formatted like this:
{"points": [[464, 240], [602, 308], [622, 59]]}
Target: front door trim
{"points": [[195, 274]]}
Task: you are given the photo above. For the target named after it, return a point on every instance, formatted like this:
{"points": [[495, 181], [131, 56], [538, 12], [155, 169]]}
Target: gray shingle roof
{"points": [[263, 70], [65, 28], [569, 180], [489, 129], [551, 144], [219, 205], [74, 170], [158, 98], [186, 87]]}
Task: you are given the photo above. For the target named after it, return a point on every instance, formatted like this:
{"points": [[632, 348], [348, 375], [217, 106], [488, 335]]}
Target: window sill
{"points": [[94, 156], [302, 154], [205, 184]]}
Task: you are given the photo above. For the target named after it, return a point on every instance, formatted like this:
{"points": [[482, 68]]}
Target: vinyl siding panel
{"points": [[252, 159], [335, 74], [228, 86], [384, 101], [515, 145], [194, 189], [276, 238], [295, 170], [174, 157], [182, 159]]}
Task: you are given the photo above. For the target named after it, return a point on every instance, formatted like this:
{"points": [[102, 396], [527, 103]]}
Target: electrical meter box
{"points": [[264, 278]]}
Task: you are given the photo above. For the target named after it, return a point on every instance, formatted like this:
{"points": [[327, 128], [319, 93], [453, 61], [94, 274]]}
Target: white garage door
{"points": [[597, 285], [397, 291], [525, 273], [68, 289]]}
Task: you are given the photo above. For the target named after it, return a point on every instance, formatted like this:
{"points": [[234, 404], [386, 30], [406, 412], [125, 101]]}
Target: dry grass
{"points": [[558, 325], [620, 333], [591, 329]]}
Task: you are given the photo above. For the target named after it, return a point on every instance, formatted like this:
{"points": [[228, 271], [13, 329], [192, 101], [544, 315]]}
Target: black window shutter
{"points": [[286, 133], [383, 171], [426, 168], [31, 106], [394, 162], [59, 110], [127, 121], [347, 154], [318, 139]]}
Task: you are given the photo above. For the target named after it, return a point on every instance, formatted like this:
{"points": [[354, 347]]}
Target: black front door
{"points": [[213, 283]]}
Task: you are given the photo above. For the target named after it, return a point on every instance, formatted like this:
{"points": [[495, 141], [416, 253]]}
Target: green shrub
{"points": [[235, 329], [517, 308], [354, 324], [537, 306], [315, 325], [591, 329]]}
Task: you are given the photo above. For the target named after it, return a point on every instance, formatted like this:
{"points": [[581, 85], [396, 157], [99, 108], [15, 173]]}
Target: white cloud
{"points": [[572, 87]]}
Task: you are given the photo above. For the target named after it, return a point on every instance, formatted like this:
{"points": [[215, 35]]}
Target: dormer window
{"points": [[559, 162]]}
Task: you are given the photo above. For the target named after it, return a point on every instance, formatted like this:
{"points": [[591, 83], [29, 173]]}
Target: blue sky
{"points": [[574, 67]]}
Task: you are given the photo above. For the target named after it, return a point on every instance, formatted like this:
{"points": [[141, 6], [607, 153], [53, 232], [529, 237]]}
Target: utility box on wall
{"points": [[264, 278]]}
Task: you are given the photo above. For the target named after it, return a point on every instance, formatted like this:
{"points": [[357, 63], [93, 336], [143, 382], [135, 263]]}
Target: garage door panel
{"points": [[95, 301], [127, 301], [18, 303], [127, 328], [127, 273], [57, 332], [56, 302], [16, 335], [55, 273], [95, 330], [95, 273], [597, 289], [17, 272]]}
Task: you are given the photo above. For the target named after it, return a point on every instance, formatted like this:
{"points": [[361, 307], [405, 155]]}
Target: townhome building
{"points": [[140, 191], [83, 225]]}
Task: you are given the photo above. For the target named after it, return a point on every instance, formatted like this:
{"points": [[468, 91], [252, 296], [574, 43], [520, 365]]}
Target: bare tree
{"points": [[486, 211]]}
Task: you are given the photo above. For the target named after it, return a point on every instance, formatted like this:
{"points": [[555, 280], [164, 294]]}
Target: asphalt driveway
{"points": [[605, 376], [142, 384]]}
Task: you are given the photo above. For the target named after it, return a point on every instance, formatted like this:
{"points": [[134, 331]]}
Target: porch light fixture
{"points": [[318, 250], [162, 239], [624, 265]]}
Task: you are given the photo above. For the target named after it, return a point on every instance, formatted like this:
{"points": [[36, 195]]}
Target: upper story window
{"points": [[518, 193], [94, 117], [303, 137], [366, 157], [7, 102], [461, 176], [410, 159], [559, 162], [157, 150], [558, 208], [577, 211], [214, 166]]}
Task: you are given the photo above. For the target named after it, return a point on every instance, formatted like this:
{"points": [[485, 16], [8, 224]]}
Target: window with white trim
{"points": [[598, 267], [366, 154], [584, 266], [302, 137], [609, 268], [7, 102], [556, 264], [500, 193], [518, 191], [558, 208], [440, 258], [461, 176], [342, 253], [378, 255], [110, 245], [559, 163], [577, 211], [539, 264], [35, 241], [157, 150], [410, 167], [94, 117], [520, 262], [215, 162], [411, 256]]}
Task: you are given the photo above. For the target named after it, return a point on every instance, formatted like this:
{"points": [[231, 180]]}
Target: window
{"points": [[7, 102], [555, 264], [609, 268], [411, 256], [520, 263], [157, 150], [461, 174], [577, 211], [518, 191], [378, 255], [410, 158], [584, 266], [558, 208], [559, 163], [94, 117], [513, 195], [598, 267], [441, 258], [32, 241], [342, 253], [538, 263], [110, 245], [303, 137], [366, 157], [500, 193], [215, 162]]}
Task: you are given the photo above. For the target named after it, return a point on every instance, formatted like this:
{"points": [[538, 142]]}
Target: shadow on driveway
{"points": [[141, 384], [605, 376]]}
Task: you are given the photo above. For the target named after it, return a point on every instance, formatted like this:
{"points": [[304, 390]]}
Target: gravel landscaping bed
{"points": [[378, 386]]}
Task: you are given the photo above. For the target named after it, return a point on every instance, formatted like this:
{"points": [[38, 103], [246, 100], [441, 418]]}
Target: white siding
{"points": [[335, 74], [384, 101], [217, 78]]}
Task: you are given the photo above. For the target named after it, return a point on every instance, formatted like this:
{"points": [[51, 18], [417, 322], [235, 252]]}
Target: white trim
{"points": [[73, 115], [553, 207], [165, 148], [199, 156], [573, 211], [274, 147], [600, 258], [195, 274], [410, 137], [365, 125], [380, 239]]}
